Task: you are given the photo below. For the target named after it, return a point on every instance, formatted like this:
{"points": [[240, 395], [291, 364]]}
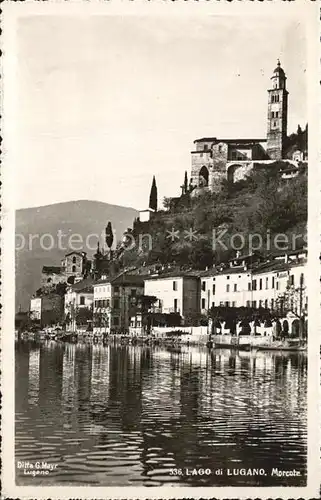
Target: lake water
{"points": [[132, 415]]}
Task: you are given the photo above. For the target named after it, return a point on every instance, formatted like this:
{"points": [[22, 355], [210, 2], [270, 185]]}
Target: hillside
{"points": [[76, 217], [264, 207]]}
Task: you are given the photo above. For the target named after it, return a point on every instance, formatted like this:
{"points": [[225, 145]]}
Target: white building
{"points": [[79, 296], [265, 285], [35, 308], [176, 293]]}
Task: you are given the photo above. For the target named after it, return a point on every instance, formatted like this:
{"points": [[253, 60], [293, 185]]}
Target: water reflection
{"points": [[120, 415]]}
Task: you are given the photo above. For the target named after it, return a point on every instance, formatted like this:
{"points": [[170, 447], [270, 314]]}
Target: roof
{"points": [[123, 280], [82, 254], [84, 286], [278, 70], [51, 270], [229, 141], [177, 274]]}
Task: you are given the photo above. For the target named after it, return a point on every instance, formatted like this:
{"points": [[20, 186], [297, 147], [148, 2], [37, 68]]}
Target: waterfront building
{"points": [[47, 309], [264, 284], [113, 299], [78, 305], [175, 292]]}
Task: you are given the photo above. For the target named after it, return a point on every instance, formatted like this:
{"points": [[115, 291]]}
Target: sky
{"points": [[105, 103]]}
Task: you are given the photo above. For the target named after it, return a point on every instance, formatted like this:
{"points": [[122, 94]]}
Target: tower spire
{"points": [[277, 114]]}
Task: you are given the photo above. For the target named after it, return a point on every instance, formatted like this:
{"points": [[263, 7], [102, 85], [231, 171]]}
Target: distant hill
{"points": [[81, 217]]}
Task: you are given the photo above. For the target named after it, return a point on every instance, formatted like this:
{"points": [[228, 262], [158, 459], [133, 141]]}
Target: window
{"points": [[203, 304], [276, 114], [233, 304], [249, 287], [227, 288], [221, 303], [116, 303], [266, 283], [227, 304], [175, 285], [277, 285], [116, 289], [205, 147], [272, 304], [214, 289], [248, 303], [74, 260], [227, 277], [291, 280], [260, 303], [133, 292], [213, 304], [82, 300], [203, 286], [96, 303], [254, 304], [274, 124], [175, 305], [254, 285], [116, 321], [235, 287], [272, 114], [260, 283], [266, 304], [273, 281], [73, 269]]}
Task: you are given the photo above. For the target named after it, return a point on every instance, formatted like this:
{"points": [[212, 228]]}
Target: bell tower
{"points": [[277, 114]]}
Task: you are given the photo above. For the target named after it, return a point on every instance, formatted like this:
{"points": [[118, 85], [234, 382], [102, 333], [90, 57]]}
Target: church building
{"points": [[214, 159]]}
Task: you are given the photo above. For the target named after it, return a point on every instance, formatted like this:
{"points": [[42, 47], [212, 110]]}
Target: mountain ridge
{"points": [[77, 217]]}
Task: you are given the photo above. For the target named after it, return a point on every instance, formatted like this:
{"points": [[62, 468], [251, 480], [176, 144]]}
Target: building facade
{"points": [[47, 309], [78, 305], [214, 159], [113, 300], [74, 264], [175, 293], [276, 284]]}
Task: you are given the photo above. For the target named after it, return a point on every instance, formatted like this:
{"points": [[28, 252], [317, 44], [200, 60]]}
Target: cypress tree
{"points": [[185, 183], [153, 196], [109, 235]]}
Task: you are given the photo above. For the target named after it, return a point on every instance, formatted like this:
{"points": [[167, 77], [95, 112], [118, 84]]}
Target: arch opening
{"points": [[203, 177]]}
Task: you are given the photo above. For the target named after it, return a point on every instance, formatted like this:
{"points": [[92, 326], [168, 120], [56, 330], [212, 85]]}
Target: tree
{"points": [[185, 183], [84, 315], [153, 196], [293, 300], [109, 238]]}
